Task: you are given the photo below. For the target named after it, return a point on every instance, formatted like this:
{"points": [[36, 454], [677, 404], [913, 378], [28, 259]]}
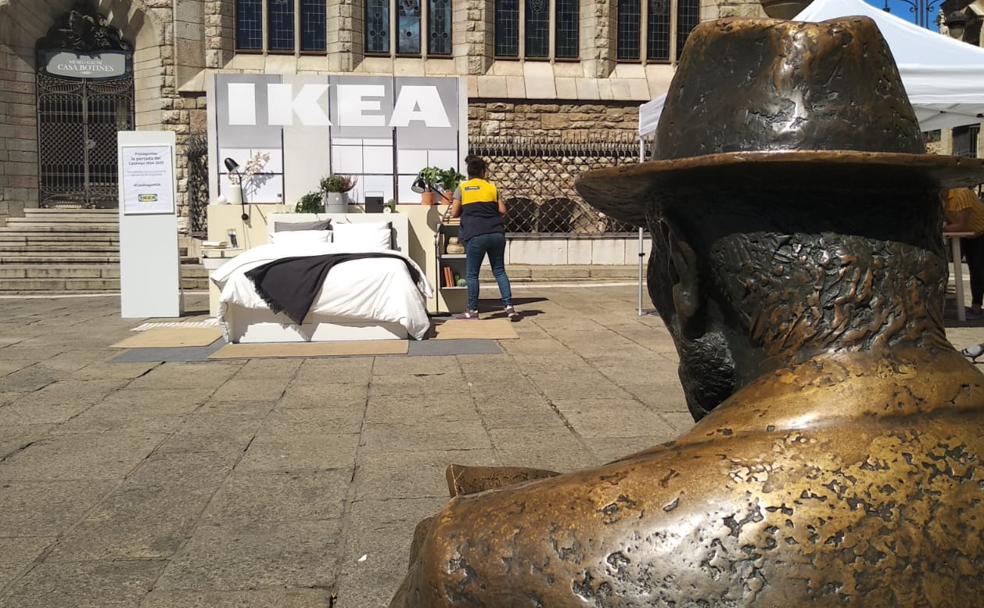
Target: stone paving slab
{"points": [[293, 483]]}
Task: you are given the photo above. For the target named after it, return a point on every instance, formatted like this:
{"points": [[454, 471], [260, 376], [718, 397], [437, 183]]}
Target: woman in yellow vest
{"points": [[965, 213], [483, 232]]}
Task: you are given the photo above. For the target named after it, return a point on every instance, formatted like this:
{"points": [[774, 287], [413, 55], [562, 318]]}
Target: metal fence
{"points": [[536, 179], [197, 153]]}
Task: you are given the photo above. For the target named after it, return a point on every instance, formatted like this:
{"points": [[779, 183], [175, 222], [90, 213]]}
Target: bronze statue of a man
{"points": [[798, 262]]}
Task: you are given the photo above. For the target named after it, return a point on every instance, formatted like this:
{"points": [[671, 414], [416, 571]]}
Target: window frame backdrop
{"points": [[412, 16], [653, 31], [563, 30], [281, 27]]}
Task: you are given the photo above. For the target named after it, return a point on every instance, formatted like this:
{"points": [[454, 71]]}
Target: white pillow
{"points": [[301, 237], [368, 236]]}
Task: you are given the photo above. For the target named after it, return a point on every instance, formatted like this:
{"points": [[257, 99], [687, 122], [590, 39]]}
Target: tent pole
{"points": [[642, 159]]}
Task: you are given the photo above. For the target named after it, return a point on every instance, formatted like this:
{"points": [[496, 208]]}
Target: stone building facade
{"points": [[177, 43]]}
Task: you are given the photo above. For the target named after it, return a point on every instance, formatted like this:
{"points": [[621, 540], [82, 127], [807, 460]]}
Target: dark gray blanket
{"points": [[290, 285]]}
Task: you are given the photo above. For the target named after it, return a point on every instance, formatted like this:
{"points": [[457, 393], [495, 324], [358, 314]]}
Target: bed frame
{"points": [[245, 326]]}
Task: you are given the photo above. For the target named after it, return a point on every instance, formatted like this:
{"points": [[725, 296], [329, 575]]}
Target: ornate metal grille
{"points": [[439, 24], [537, 29], [658, 31], [197, 152], [688, 16], [377, 27], [536, 181], [506, 28], [629, 30], [313, 15], [408, 40], [77, 125], [566, 45], [249, 25], [280, 18]]}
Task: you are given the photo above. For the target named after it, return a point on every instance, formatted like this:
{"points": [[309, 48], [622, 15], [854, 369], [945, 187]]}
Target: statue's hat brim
{"points": [[628, 192]]}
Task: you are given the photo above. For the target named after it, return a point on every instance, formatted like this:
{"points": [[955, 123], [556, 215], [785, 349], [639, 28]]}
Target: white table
{"points": [[954, 238]]}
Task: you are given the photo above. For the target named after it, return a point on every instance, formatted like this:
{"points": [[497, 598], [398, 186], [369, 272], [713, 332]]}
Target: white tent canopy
{"points": [[943, 77]]}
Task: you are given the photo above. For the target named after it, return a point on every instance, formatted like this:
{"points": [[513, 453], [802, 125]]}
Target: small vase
{"points": [[454, 246], [235, 195], [336, 202]]}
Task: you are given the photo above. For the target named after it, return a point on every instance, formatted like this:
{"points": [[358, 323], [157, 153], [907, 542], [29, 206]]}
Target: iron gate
{"points": [[77, 124]]}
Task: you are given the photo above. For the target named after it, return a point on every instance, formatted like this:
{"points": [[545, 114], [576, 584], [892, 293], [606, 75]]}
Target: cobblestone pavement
{"points": [[283, 483]]}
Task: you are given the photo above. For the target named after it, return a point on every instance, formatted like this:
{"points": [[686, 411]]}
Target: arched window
{"points": [[538, 20], [413, 18], [645, 29], [277, 33]]}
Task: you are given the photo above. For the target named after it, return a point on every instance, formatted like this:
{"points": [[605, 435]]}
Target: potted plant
{"points": [[426, 180], [449, 180], [312, 202], [334, 189]]}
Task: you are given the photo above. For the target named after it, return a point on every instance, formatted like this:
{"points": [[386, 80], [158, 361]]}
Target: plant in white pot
{"points": [[334, 189]]}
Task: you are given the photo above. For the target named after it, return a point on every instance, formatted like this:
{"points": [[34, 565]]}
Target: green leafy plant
{"points": [[431, 176], [338, 183], [449, 179], [310, 203]]}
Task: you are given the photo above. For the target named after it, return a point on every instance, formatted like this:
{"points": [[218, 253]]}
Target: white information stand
{"points": [[150, 272]]}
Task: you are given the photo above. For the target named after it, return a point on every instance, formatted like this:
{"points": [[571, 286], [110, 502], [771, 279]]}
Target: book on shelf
{"points": [[448, 277]]}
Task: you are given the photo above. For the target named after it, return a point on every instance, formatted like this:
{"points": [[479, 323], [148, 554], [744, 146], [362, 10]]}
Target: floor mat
{"points": [[437, 348], [181, 324], [188, 354], [490, 329], [171, 337], [363, 348]]}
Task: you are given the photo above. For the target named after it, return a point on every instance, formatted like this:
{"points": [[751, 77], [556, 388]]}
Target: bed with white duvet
{"points": [[360, 299]]}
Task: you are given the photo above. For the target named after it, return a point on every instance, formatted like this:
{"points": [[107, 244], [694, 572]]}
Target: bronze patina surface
{"points": [[837, 460]]}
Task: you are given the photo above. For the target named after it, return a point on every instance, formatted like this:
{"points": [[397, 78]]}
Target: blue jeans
{"points": [[493, 244]]}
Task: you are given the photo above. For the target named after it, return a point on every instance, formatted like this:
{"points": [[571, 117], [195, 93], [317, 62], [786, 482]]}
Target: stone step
{"points": [[48, 211], [41, 241], [19, 223], [82, 271], [65, 228], [67, 217], [68, 286], [82, 285], [86, 258], [53, 247]]}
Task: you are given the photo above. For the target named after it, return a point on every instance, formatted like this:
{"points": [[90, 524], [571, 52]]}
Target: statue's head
{"points": [[793, 210]]}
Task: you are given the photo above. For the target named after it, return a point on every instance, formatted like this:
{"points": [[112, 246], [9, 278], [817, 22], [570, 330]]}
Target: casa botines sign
{"points": [[69, 64]]}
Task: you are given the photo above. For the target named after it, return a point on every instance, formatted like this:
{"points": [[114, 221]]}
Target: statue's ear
{"points": [[686, 290]]}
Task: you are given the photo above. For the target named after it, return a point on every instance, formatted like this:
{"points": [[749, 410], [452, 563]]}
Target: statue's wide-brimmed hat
{"points": [[780, 104]]}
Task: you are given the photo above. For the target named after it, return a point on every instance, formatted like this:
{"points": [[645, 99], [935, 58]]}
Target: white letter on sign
{"points": [[282, 105], [242, 104], [352, 106], [419, 103]]}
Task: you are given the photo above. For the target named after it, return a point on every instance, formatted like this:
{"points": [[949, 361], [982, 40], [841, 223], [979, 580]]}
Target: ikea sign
{"points": [[359, 105]]}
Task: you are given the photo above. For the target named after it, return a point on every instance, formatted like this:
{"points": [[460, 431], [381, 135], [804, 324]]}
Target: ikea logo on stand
{"points": [[356, 105]]}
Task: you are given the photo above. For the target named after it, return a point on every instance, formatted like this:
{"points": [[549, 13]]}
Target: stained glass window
{"points": [[313, 25], [377, 27], [566, 44], [688, 16], [507, 28], [629, 30], [537, 28], [658, 31], [280, 21], [439, 24], [249, 25], [408, 39]]}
